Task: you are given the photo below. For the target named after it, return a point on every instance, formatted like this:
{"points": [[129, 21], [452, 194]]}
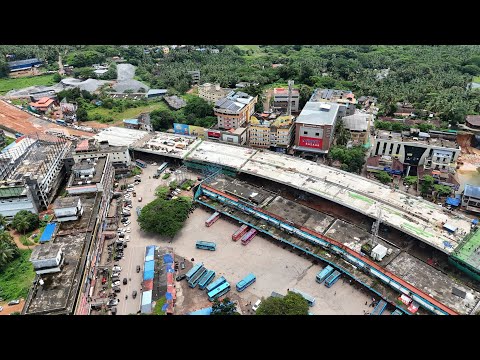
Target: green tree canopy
{"points": [[427, 183], [442, 190], [25, 221], [291, 304], [383, 177], [410, 180], [224, 307], [352, 159], [165, 217], [197, 108], [8, 249]]}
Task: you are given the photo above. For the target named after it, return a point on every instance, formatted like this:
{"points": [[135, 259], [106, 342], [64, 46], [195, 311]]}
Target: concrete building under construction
{"points": [[34, 163]]}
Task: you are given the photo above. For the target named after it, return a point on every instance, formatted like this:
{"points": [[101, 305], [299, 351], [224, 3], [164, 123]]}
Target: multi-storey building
{"points": [[359, 126], [276, 135], [212, 92], [280, 99], [234, 110], [412, 151]]}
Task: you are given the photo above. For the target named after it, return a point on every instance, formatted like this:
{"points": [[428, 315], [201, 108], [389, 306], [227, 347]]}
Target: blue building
{"points": [[24, 64]]}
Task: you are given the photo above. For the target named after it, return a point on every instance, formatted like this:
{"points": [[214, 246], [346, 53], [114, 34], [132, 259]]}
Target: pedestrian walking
{"points": [[366, 302], [335, 293]]}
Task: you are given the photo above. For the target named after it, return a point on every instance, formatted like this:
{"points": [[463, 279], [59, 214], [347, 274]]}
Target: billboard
{"points": [[213, 134], [310, 142], [181, 129], [197, 131]]}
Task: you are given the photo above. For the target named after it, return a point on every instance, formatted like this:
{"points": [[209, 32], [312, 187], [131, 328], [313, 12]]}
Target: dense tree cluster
{"points": [[8, 249], [25, 221], [291, 304], [352, 159]]}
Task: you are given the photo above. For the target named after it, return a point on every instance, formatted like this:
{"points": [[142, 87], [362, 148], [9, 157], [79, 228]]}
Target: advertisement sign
{"points": [[310, 142], [213, 134], [181, 129], [197, 131]]}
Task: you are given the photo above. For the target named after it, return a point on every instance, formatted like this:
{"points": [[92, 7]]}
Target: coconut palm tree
{"points": [[8, 251]]}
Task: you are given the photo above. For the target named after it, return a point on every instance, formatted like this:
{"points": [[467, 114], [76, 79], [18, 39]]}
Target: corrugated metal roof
{"points": [[149, 265], [147, 275], [312, 114], [146, 297], [473, 191], [450, 227], [131, 121], [23, 62]]}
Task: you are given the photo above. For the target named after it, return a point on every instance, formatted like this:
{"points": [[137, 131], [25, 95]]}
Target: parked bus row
{"points": [[214, 217], [329, 274], [248, 236], [240, 232]]}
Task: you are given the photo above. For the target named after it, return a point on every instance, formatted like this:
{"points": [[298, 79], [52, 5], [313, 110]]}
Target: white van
{"points": [[256, 305]]}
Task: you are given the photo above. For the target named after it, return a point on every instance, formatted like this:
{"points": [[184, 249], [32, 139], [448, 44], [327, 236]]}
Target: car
{"points": [[134, 294], [118, 257], [124, 281], [128, 231], [117, 268], [130, 190], [127, 214], [182, 265], [140, 199], [13, 302], [112, 302], [180, 277], [121, 235], [115, 279], [127, 238], [129, 206], [138, 268], [1, 308], [117, 274], [256, 305], [116, 289], [116, 283], [128, 223]]}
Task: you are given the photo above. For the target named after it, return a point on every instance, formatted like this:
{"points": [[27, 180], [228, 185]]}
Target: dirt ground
{"points": [[16, 237], [7, 310], [20, 121], [94, 124]]}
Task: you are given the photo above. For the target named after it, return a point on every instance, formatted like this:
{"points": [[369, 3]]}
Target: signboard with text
{"points": [[181, 129], [310, 142], [213, 134]]}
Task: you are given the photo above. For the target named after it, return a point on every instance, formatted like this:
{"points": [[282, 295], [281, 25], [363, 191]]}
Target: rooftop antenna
{"points": [[289, 106]]}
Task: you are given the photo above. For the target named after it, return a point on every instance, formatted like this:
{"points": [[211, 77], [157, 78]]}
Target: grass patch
{"points": [[173, 184], [476, 79], [157, 310], [23, 82], [127, 113], [162, 191], [135, 171], [16, 278], [26, 241], [186, 184], [8, 141], [257, 51], [166, 176]]}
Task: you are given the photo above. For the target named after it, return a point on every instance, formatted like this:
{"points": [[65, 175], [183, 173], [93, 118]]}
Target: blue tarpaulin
{"points": [[447, 244], [204, 311], [475, 221], [168, 296], [149, 254], [48, 232], [453, 201], [164, 307], [148, 275], [167, 258], [149, 265], [170, 270]]}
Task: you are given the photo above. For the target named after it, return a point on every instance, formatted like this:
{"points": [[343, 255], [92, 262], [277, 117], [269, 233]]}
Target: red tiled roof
{"points": [[43, 102], [82, 146]]}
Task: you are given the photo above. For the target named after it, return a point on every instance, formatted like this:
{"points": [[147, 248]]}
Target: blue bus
{"points": [[332, 279], [206, 279], [246, 282], [322, 274], [195, 279], [219, 291], [216, 283], [382, 304], [206, 245], [162, 168], [397, 312], [140, 163], [310, 299], [193, 271]]}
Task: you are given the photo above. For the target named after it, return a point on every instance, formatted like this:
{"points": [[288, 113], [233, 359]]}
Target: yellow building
{"points": [[234, 110], [277, 134]]}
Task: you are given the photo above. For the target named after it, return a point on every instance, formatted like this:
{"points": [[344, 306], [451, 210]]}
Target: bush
{"points": [[166, 176], [186, 184], [173, 184]]}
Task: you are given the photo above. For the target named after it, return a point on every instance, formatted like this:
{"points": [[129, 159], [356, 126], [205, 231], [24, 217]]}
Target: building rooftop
{"points": [[119, 136], [175, 102], [333, 95], [318, 113], [131, 121], [59, 291], [98, 166], [23, 62], [66, 202], [45, 251], [174, 145], [420, 139], [234, 101], [283, 121], [12, 191], [284, 91], [156, 92], [357, 122], [473, 119], [471, 190]]}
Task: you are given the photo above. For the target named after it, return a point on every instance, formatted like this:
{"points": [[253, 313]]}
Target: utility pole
{"points": [[289, 106]]}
